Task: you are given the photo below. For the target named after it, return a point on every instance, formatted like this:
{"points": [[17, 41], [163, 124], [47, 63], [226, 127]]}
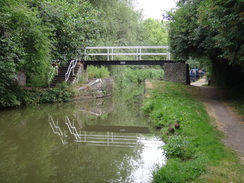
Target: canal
{"points": [[105, 140]]}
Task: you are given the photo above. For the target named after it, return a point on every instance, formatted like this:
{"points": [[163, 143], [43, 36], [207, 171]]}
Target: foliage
{"points": [[225, 19], [179, 172], [140, 75], [74, 25], [24, 41], [155, 32], [180, 147], [125, 76], [185, 35], [32, 33], [97, 72], [24, 46], [211, 30], [121, 24], [62, 93], [171, 105], [200, 63], [9, 97], [7, 75], [196, 145], [18, 96]]}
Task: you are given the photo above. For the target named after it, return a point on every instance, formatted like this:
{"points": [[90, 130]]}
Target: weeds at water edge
{"points": [[194, 151]]}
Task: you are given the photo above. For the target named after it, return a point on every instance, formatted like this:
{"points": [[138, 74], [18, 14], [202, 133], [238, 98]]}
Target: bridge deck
{"points": [[129, 62]]}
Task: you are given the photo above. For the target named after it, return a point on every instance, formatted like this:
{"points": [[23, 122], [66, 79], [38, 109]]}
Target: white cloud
{"points": [[154, 8]]}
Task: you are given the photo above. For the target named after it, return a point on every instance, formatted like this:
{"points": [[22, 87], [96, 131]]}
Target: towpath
{"points": [[226, 119]]}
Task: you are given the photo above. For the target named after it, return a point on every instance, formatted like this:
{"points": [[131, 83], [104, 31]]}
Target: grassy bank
{"points": [[194, 151], [28, 96]]}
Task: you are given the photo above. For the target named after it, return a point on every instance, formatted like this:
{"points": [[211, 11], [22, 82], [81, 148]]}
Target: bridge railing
{"points": [[139, 51]]}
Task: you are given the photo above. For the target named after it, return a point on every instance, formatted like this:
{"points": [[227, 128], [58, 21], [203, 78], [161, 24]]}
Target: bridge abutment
{"points": [[177, 72], [82, 74]]}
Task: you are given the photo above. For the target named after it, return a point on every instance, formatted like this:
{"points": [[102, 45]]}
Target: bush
{"points": [[17, 96], [98, 72], [125, 76]]}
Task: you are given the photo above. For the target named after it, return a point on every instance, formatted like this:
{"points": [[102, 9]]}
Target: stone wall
{"points": [[177, 72], [81, 75], [96, 88], [21, 78]]}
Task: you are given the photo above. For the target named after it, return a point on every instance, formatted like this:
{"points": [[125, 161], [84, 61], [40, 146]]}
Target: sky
{"points": [[154, 8]]}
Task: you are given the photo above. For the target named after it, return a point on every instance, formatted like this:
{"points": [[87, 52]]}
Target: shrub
{"points": [[97, 72], [125, 76]]}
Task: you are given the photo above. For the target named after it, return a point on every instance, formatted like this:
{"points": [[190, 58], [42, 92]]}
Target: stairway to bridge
{"points": [[60, 76]]}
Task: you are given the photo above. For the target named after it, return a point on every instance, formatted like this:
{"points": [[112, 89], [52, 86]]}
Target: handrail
{"points": [[72, 129], [56, 130], [51, 73], [110, 51], [71, 68]]}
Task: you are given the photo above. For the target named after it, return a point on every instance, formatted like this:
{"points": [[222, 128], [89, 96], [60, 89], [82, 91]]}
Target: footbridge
{"points": [[125, 55]]}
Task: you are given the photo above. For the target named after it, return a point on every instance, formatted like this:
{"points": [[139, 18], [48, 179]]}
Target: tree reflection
{"points": [[32, 152]]}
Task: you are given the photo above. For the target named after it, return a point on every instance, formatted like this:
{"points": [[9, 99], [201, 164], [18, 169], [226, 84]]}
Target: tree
{"points": [[155, 32], [211, 29], [121, 24], [34, 32], [24, 46], [74, 25], [225, 19]]}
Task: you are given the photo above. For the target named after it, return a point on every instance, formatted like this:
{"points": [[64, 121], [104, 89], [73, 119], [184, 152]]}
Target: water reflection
{"points": [[100, 141], [126, 146], [119, 136]]}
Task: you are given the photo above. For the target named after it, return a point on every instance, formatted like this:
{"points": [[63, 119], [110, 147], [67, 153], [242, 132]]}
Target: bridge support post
{"points": [[177, 72]]}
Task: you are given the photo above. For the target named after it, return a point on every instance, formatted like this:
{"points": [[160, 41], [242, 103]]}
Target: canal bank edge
{"points": [[96, 88], [195, 152]]}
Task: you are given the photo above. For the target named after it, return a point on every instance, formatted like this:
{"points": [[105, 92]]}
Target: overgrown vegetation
{"points": [[212, 32], [126, 76], [194, 151], [98, 72], [18, 96], [32, 33], [62, 93], [36, 33]]}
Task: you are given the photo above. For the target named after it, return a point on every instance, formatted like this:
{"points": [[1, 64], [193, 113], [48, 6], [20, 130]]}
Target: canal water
{"points": [[93, 141]]}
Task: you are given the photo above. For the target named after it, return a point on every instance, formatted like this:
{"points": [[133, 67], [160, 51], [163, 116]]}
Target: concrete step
{"points": [[61, 76]]}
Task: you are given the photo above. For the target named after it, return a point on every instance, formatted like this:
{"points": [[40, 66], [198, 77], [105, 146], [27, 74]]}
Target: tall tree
{"points": [[24, 44], [121, 24], [34, 32], [74, 25], [211, 29], [155, 32]]}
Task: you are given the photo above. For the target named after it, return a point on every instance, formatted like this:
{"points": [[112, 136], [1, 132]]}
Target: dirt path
{"points": [[226, 120]]}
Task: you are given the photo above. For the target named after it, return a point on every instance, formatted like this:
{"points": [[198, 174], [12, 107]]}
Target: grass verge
{"points": [[194, 151]]}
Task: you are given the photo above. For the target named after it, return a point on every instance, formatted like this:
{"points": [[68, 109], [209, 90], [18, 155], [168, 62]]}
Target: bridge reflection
{"points": [[119, 136]]}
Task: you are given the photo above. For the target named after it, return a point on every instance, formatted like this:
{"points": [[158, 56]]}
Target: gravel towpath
{"points": [[225, 118]]}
